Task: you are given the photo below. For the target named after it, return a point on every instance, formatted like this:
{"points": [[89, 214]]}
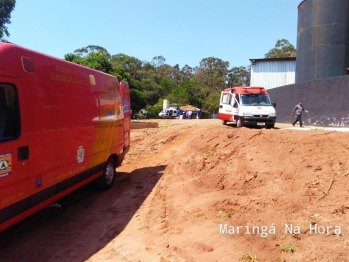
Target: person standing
{"points": [[298, 109]]}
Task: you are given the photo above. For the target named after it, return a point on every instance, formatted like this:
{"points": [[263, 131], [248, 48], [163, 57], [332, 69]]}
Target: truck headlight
{"points": [[272, 114], [247, 114]]}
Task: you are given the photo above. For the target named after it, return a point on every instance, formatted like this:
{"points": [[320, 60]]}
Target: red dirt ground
{"points": [[184, 180]]}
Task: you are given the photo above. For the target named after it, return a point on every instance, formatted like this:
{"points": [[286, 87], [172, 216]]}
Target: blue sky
{"points": [[182, 31]]}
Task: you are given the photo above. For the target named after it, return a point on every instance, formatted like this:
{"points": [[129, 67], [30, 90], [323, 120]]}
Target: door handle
{"points": [[220, 106], [23, 153]]}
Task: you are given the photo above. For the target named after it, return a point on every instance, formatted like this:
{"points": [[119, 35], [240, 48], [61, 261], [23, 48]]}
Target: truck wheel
{"points": [[224, 122], [238, 123], [106, 180]]}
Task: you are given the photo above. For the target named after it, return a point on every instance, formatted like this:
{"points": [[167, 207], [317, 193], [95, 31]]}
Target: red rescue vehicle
{"points": [[62, 126]]}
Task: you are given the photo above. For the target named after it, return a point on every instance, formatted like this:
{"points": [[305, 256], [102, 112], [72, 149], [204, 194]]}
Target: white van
{"points": [[247, 106]]}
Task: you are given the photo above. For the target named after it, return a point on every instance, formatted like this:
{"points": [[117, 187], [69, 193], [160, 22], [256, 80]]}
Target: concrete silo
{"points": [[323, 39]]}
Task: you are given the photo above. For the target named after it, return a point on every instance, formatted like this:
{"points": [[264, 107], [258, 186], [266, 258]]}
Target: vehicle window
{"points": [[230, 98], [225, 99], [9, 113], [255, 100]]}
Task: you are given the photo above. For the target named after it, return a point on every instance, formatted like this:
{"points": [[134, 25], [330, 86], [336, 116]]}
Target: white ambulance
{"points": [[247, 106]]}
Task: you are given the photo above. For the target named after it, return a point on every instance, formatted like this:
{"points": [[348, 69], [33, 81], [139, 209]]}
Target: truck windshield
{"points": [[255, 100]]}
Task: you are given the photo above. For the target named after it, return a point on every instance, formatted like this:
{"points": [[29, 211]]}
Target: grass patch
{"points": [[224, 215], [287, 248], [192, 162], [208, 152], [248, 257]]}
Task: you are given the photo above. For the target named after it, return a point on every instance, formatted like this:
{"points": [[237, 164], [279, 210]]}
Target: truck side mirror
{"points": [[235, 105], [274, 105]]}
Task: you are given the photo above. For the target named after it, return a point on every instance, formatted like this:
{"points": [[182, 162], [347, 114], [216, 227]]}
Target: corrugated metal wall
{"points": [[271, 74]]}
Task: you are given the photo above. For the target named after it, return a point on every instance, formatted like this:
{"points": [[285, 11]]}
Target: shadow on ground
{"points": [[86, 221], [231, 125]]}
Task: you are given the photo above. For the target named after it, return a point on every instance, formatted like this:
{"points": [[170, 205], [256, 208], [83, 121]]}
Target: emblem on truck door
{"points": [[80, 154], [5, 165]]}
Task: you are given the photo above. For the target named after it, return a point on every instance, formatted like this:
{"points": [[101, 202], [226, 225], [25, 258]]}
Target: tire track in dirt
{"points": [[153, 217]]}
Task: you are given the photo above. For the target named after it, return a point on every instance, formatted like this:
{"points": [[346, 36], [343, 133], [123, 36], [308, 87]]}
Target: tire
{"points": [[269, 127], [238, 123], [106, 180], [224, 122]]}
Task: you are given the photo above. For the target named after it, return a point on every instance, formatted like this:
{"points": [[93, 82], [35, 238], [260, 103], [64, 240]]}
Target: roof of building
{"points": [[189, 107], [272, 59]]}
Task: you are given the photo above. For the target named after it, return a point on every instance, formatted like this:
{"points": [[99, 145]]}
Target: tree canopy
{"points": [[151, 82], [6, 7], [283, 49]]}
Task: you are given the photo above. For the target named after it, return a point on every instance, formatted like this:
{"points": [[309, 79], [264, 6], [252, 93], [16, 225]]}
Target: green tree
{"points": [[150, 82], [166, 71], [153, 111], [121, 73], [179, 96], [239, 76], [98, 61], [211, 103], [129, 63], [6, 7], [283, 49], [71, 57], [138, 100], [186, 73], [86, 51], [166, 87], [92, 56], [198, 93], [212, 72], [158, 61], [146, 71]]}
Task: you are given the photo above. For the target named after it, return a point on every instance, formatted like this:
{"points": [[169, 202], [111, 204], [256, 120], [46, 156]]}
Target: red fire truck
{"points": [[62, 126]]}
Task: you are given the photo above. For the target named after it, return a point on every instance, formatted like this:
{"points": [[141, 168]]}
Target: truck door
{"points": [[224, 111], [228, 107], [14, 150]]}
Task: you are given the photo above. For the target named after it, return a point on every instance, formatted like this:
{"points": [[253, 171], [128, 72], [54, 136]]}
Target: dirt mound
{"points": [[195, 190], [257, 191], [142, 124]]}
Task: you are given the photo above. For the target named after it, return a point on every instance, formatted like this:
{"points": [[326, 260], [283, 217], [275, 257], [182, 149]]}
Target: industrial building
{"points": [[273, 72], [321, 72]]}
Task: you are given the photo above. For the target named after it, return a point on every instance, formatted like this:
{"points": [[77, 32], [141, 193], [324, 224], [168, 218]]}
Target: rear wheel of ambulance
{"points": [[224, 122], [106, 180]]}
